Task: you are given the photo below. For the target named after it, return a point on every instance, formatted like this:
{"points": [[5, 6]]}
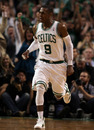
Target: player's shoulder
{"points": [[61, 25], [62, 29], [35, 27]]}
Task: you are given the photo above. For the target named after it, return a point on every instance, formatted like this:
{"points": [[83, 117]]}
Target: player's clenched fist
{"points": [[25, 55], [70, 70]]}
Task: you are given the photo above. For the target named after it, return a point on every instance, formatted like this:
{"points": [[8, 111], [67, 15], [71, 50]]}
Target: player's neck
{"points": [[48, 24]]}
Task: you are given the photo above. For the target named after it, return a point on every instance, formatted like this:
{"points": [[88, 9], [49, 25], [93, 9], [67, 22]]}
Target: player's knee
{"points": [[40, 95]]}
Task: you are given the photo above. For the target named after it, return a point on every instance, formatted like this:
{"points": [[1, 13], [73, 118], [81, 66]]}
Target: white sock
{"points": [[40, 115]]}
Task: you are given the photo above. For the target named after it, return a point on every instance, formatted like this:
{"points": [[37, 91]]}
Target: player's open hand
{"points": [[25, 55], [70, 70]]}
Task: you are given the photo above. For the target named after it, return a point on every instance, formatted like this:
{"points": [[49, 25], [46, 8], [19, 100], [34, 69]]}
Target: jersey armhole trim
{"points": [[36, 29], [57, 31]]}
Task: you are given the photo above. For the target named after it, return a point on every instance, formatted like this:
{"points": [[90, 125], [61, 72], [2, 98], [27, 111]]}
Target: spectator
{"points": [[17, 95], [3, 26], [80, 66], [28, 64], [92, 36], [10, 11], [85, 43], [23, 23], [86, 26], [2, 52], [71, 30], [13, 43], [89, 55], [11, 47], [86, 12], [75, 54], [25, 10], [6, 72], [83, 95], [82, 99], [83, 20], [6, 69]]}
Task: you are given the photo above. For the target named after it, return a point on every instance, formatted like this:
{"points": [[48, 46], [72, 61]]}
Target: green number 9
{"points": [[47, 49]]}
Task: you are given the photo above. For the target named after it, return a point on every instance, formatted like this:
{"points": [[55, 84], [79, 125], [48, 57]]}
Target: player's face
{"points": [[44, 15]]}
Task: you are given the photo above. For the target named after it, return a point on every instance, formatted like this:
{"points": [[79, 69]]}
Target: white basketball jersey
{"points": [[50, 43]]}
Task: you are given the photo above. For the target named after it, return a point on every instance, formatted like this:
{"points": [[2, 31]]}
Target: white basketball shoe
{"points": [[40, 124], [67, 95]]}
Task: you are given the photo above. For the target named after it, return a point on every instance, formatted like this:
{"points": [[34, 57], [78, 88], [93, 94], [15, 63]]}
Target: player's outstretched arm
{"points": [[32, 47]]}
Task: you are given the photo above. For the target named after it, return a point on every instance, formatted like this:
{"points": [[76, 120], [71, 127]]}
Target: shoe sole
{"points": [[39, 128], [43, 128], [66, 97]]}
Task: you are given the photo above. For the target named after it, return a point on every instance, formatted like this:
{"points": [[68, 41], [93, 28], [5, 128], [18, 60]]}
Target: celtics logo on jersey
{"points": [[46, 38]]}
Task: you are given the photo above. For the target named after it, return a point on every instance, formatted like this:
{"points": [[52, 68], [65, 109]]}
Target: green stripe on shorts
{"points": [[40, 82], [58, 94]]}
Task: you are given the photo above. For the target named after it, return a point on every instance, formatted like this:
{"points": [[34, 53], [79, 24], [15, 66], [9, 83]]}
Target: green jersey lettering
{"points": [[47, 38]]}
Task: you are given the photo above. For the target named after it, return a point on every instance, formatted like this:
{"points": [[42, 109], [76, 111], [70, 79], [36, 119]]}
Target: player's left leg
{"points": [[67, 94], [62, 93], [58, 80], [59, 85]]}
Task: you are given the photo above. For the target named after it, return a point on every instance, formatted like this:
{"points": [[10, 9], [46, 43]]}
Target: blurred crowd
{"points": [[17, 19]]}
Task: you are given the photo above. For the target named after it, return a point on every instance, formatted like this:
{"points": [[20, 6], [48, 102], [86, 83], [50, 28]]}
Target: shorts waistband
{"points": [[53, 62]]}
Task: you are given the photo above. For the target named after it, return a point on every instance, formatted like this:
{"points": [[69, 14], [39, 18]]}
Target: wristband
{"points": [[4, 14], [70, 62]]}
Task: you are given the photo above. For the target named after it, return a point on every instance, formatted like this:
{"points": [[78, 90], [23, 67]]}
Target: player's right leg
{"points": [[40, 85], [39, 103], [40, 124]]}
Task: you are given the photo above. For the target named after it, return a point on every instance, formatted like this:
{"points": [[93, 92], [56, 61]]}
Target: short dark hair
{"points": [[49, 8], [85, 71], [23, 71]]}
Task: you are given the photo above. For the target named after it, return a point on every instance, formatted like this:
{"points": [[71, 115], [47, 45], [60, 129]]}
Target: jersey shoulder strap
{"points": [[54, 27], [38, 28]]}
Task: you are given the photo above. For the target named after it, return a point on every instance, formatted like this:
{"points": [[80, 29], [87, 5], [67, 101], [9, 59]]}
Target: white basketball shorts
{"points": [[54, 73]]}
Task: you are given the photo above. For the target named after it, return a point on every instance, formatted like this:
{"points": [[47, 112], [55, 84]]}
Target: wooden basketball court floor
{"points": [[18, 123]]}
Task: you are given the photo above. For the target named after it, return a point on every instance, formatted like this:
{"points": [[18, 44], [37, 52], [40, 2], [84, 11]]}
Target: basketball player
{"points": [[50, 66]]}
